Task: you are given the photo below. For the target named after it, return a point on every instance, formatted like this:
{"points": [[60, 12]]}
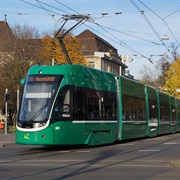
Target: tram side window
{"points": [[79, 101], [165, 113], [62, 105], [178, 109], [173, 113], [133, 108], [153, 110], [93, 104], [108, 105]]}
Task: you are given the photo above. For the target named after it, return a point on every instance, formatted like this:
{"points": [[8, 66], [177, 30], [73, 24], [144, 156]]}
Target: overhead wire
{"points": [[120, 42], [163, 19], [22, 14], [150, 25], [171, 14], [43, 9], [41, 2], [46, 11], [65, 16], [73, 11], [155, 43], [146, 19], [66, 6]]}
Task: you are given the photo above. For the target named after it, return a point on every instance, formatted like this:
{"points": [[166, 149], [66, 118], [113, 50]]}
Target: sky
{"points": [[134, 27]]}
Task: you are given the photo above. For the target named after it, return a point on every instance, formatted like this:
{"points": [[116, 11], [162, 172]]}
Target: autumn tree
{"points": [[157, 77], [149, 76], [52, 49], [25, 49], [18, 56], [172, 84]]}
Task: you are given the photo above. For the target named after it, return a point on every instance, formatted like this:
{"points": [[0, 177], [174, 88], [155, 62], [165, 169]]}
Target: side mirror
{"points": [[22, 81]]}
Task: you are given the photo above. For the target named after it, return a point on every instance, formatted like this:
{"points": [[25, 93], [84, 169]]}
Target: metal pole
{"points": [[64, 50], [6, 118], [17, 100], [61, 37], [6, 114]]}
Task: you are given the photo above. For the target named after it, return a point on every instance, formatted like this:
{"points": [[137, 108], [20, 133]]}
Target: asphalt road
{"points": [[146, 159]]}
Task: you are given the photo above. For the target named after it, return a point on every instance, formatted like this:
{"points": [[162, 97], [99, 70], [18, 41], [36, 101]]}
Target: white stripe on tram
{"points": [[94, 121]]}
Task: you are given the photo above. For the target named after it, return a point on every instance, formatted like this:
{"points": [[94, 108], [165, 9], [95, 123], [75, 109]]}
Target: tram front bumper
{"points": [[43, 137]]}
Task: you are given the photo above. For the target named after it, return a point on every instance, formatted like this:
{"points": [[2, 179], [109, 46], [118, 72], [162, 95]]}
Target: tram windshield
{"points": [[38, 95]]}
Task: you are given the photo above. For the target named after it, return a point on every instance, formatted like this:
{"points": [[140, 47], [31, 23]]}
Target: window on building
{"points": [[104, 65], [92, 64], [84, 46]]}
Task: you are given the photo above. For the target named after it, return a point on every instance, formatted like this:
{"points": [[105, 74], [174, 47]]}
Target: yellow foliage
{"points": [[52, 49], [172, 85]]}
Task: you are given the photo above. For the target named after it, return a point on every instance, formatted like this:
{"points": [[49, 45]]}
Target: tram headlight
{"points": [[19, 124], [42, 124]]}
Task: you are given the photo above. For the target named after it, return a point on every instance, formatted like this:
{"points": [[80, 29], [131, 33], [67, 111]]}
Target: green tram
{"points": [[78, 105]]}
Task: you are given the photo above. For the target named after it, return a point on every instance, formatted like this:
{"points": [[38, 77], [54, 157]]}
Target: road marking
{"points": [[149, 150], [171, 143], [91, 165], [80, 151], [3, 142], [126, 144], [54, 160], [85, 151], [64, 151]]}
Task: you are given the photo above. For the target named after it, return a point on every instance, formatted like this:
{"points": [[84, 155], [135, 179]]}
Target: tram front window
{"points": [[37, 98], [62, 109]]}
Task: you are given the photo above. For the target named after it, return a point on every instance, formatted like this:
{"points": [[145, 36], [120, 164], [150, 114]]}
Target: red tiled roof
{"points": [[94, 43]]}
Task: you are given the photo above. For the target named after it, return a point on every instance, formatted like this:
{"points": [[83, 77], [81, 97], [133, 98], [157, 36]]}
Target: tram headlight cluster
{"points": [[19, 124], [42, 124]]}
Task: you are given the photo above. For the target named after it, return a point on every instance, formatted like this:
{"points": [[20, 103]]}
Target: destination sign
{"points": [[42, 78]]}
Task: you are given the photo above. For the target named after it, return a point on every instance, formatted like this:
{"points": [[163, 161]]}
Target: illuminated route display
{"points": [[42, 78]]}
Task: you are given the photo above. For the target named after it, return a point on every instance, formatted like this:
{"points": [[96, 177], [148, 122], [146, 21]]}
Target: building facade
{"points": [[100, 54]]}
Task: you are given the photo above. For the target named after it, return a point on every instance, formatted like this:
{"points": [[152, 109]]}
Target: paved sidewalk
{"points": [[7, 139]]}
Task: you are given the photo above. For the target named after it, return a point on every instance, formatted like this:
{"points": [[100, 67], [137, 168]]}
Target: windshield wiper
{"points": [[37, 113]]}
